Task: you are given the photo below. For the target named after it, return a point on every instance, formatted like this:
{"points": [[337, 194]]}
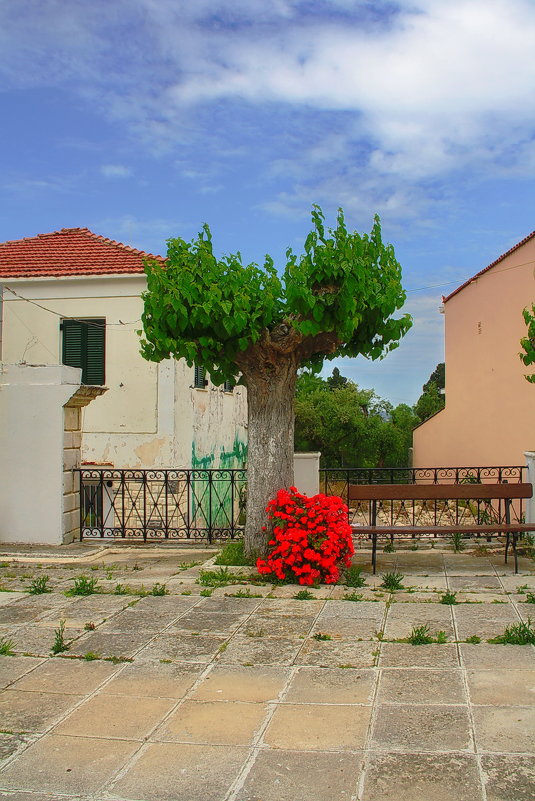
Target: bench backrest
{"points": [[424, 492]]}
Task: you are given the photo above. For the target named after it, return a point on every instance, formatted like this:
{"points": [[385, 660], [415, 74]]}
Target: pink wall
{"points": [[489, 417]]}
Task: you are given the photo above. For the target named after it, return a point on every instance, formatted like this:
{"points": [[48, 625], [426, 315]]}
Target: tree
{"points": [[432, 399], [528, 343], [336, 380], [337, 299]]}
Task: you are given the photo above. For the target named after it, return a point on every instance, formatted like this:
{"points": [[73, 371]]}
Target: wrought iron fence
{"points": [[207, 505], [159, 505], [336, 481]]}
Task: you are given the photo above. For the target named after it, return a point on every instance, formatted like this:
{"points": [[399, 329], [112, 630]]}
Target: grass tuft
{"points": [[233, 553], [449, 598], [517, 634], [6, 647], [39, 585], [303, 595], [59, 644], [83, 586], [392, 581], [352, 577]]}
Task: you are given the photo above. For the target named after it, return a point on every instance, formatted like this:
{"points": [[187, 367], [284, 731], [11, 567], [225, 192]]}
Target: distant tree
{"points": [[432, 399], [528, 343], [351, 427], [337, 299], [336, 380]]}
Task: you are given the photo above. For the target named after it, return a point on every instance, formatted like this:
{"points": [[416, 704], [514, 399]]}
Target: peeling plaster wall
{"points": [[151, 416]]}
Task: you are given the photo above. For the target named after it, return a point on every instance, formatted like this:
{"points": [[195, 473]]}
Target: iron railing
{"points": [[207, 505], [336, 481], [159, 505]]}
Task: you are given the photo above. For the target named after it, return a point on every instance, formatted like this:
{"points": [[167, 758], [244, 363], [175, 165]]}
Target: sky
{"points": [[143, 119]]}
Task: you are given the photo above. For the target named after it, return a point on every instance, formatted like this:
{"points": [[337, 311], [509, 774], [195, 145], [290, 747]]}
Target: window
{"points": [[84, 345], [228, 386], [199, 379]]}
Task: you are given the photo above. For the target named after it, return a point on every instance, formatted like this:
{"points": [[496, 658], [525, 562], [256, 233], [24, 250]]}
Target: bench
{"points": [[442, 492]]}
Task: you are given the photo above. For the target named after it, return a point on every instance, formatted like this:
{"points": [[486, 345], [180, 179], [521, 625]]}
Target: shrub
{"points": [[311, 538]]}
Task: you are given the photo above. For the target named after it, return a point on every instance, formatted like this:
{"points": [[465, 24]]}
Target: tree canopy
{"points": [[338, 297], [432, 399]]}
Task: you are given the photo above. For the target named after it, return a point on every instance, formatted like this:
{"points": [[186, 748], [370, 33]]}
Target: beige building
{"points": [[489, 417], [74, 298]]}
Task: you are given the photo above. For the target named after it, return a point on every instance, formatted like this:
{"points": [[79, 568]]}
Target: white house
{"points": [[72, 297]]}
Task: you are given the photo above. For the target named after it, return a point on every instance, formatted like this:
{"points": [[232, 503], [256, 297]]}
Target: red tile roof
{"points": [[494, 263], [69, 252]]}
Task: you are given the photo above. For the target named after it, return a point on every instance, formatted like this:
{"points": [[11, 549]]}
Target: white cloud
{"points": [[115, 171]]}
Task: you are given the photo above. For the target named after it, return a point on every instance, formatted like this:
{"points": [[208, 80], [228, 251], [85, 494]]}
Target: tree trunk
{"points": [[270, 395]]}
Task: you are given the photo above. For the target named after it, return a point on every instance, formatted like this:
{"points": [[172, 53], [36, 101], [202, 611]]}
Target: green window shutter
{"points": [[84, 345], [228, 386], [199, 379]]}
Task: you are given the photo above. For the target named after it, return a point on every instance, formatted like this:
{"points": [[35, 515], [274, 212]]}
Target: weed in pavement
{"points": [[90, 656], [59, 644], [39, 585], [218, 578], [457, 541], [206, 593], [441, 637], [474, 639], [83, 586], [90, 626], [517, 634], [303, 595], [420, 635], [352, 577], [530, 598], [449, 598], [353, 596], [121, 589], [321, 636], [233, 554], [243, 594], [6, 647], [389, 548], [392, 581], [159, 589]]}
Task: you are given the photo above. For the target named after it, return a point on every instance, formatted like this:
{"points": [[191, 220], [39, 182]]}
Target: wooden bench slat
{"points": [[422, 530], [423, 492]]}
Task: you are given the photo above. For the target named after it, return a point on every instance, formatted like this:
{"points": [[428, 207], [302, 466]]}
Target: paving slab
{"points": [[60, 764], [243, 650], [490, 657], [422, 728], [318, 727], [156, 679], [422, 777], [184, 647], [66, 676], [505, 729], [277, 625], [502, 687], [126, 718], [331, 686], [181, 772], [111, 644], [33, 712], [228, 723], [280, 775], [12, 668], [339, 653], [406, 655], [508, 777], [237, 683], [415, 686]]}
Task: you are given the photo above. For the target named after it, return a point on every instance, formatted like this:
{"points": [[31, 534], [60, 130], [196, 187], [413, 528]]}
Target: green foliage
{"points": [[392, 581], [528, 343], [206, 593], [121, 589], [353, 596], [83, 586], [349, 425], [389, 547], [517, 634], [449, 598], [321, 636], [6, 647], [457, 541], [473, 640], [218, 578], [430, 402], [530, 598], [159, 589], [59, 644], [420, 635], [351, 577], [303, 595], [233, 553], [210, 310], [39, 585], [244, 594]]}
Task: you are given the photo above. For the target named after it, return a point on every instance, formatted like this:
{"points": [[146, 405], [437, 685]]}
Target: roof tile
{"points": [[69, 252]]}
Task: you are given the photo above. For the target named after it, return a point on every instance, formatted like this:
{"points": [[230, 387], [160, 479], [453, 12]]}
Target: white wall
{"points": [[151, 416], [31, 451]]}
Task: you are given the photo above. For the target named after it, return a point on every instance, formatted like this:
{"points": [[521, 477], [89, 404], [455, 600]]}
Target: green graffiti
{"points": [[213, 501]]}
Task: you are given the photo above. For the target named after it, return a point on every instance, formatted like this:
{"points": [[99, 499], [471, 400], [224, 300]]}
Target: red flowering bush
{"points": [[311, 537]]}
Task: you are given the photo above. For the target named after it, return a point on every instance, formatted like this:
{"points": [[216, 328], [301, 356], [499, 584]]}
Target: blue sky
{"points": [[141, 119]]}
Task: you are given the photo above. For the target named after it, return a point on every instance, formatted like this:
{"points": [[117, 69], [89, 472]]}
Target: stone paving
{"points": [[249, 694]]}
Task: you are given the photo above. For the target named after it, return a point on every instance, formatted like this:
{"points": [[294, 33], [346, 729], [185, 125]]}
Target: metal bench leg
{"points": [[515, 538], [374, 551], [506, 547]]}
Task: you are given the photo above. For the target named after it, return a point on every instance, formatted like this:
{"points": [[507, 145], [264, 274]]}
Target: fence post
{"points": [[530, 502]]}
